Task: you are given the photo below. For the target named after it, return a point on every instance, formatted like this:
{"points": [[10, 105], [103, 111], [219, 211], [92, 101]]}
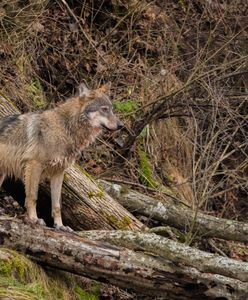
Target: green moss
{"points": [[145, 170], [22, 279], [81, 169], [113, 220], [169, 179], [66, 176], [39, 102], [126, 222], [84, 295], [146, 173], [119, 224], [98, 194], [126, 107], [19, 276], [34, 90], [37, 289], [87, 174], [124, 189], [144, 132], [16, 265]]}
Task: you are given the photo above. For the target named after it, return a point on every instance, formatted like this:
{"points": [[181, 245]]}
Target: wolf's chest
{"points": [[72, 151], [57, 165], [62, 162], [82, 141]]}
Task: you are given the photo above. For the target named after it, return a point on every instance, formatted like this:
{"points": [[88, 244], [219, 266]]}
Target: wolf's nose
{"points": [[120, 125]]}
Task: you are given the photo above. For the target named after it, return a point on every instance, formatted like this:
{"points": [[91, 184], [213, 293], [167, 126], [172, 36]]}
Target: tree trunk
{"points": [[178, 215], [141, 272], [85, 205]]}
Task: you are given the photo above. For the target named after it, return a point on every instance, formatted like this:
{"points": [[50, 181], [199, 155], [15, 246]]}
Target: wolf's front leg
{"points": [[56, 186], [32, 173]]}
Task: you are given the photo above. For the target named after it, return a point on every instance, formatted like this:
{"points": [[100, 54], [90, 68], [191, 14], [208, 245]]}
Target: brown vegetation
{"points": [[179, 77]]}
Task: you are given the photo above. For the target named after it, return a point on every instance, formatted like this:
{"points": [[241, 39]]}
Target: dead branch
{"points": [[178, 215]]}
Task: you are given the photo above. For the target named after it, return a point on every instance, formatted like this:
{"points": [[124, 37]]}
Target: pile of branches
{"points": [[140, 260]]}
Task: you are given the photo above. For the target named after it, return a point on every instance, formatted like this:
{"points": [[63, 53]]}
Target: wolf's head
{"points": [[98, 108]]}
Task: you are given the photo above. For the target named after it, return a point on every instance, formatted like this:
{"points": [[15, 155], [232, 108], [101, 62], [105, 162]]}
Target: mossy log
{"points": [[85, 204], [135, 270], [175, 214]]}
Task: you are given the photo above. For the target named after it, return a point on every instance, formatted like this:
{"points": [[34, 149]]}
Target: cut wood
{"points": [[141, 272], [85, 204], [177, 215]]}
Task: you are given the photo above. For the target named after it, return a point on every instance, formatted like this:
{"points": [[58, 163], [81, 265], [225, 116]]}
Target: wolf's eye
{"points": [[105, 109]]}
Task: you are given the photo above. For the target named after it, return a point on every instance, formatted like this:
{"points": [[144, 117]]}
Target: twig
{"points": [[216, 249], [164, 231]]}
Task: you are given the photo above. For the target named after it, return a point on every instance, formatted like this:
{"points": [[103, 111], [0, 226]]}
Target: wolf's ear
{"points": [[105, 89], [83, 90]]}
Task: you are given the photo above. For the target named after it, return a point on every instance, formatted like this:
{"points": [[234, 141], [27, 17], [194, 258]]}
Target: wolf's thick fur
{"points": [[41, 145]]}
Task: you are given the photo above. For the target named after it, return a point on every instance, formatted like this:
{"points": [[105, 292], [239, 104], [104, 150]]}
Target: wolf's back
{"points": [[13, 145], [7, 124]]}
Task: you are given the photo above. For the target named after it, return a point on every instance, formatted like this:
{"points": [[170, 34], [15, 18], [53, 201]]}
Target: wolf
{"points": [[42, 145]]}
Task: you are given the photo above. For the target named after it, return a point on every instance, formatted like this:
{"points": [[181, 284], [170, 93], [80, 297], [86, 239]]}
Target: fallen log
{"points": [[141, 272], [177, 215], [85, 204], [174, 251]]}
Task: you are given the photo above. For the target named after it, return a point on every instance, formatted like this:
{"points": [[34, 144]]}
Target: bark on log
{"points": [[174, 251], [178, 215], [85, 205], [125, 268]]}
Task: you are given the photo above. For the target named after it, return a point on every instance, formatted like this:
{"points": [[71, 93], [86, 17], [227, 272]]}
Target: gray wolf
{"points": [[39, 145]]}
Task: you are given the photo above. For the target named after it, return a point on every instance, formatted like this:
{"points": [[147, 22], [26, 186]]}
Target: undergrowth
{"points": [[181, 65]]}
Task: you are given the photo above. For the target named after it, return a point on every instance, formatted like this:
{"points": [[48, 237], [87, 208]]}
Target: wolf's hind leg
{"points": [[56, 186], [2, 177], [32, 173]]}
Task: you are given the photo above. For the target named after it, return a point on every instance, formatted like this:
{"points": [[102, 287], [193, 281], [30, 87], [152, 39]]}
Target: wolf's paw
{"points": [[40, 222], [63, 228], [37, 221]]}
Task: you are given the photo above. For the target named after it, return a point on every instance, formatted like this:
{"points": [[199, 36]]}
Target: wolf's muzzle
{"points": [[120, 125]]}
